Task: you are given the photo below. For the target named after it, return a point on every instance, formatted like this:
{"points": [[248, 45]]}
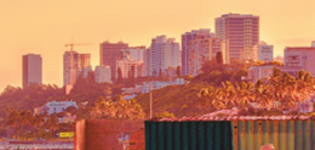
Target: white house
{"points": [[57, 107], [161, 84]]}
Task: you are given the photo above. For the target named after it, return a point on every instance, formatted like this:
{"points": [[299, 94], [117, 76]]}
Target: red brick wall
{"points": [[137, 141], [102, 134], [79, 135]]}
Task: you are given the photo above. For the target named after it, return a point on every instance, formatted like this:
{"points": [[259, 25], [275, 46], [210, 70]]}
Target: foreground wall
{"points": [[136, 140], [188, 135], [230, 134], [79, 135], [102, 134]]}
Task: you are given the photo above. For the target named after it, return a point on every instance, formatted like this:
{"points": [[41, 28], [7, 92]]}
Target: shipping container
{"points": [[230, 133]]}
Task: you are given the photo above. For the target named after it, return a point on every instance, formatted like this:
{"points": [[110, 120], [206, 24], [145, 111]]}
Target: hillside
{"points": [[177, 99]]}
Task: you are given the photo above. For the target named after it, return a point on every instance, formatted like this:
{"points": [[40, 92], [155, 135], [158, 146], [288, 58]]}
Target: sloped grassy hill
{"points": [[177, 99]]}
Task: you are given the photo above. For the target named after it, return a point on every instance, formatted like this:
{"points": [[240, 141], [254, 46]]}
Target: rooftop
{"points": [[237, 15], [300, 48], [233, 118]]}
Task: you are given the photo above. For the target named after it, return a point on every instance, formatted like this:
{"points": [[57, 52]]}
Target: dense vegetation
{"points": [[177, 99], [23, 125], [279, 92], [218, 86], [214, 73]]}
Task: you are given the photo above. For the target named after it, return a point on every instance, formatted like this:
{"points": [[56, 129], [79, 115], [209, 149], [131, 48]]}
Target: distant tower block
{"points": [[32, 69], [313, 44]]}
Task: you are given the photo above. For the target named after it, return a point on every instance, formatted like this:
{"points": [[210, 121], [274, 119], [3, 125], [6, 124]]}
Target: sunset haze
{"points": [[44, 27]]}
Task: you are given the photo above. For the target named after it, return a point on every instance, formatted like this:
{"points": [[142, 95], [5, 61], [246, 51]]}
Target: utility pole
{"points": [[150, 100]]}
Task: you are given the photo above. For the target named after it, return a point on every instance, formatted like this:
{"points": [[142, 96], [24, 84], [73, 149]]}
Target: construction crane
{"points": [[72, 70]]}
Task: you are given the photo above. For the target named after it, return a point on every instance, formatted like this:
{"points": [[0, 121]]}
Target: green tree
{"points": [[229, 95], [52, 124], [245, 94], [125, 109], [178, 70], [219, 58], [165, 114], [119, 75], [305, 87], [160, 73], [133, 71], [129, 74], [262, 95]]}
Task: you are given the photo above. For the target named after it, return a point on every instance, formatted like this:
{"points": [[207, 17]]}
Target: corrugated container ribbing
{"points": [[238, 133], [188, 135]]}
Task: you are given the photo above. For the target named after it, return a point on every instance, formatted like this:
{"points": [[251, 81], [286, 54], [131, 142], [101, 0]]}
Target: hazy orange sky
{"points": [[45, 26]]}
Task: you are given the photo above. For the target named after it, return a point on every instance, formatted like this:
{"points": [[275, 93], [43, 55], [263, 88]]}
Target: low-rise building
{"points": [[129, 97], [201, 49], [126, 67], [131, 90], [161, 84], [300, 56], [85, 71], [145, 87], [67, 119], [56, 107]]}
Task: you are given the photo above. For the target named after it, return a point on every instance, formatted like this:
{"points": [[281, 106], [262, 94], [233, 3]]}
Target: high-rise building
{"points": [[240, 34], [313, 44], [200, 50], [32, 69], [133, 53], [164, 53], [172, 54], [265, 52], [102, 74], [80, 63], [188, 36], [85, 71], [110, 53], [126, 67], [67, 77], [84, 61], [146, 62]]}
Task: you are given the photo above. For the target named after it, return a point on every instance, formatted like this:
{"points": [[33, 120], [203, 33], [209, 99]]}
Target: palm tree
{"points": [[25, 121], [305, 87], [13, 119], [52, 124], [203, 98], [217, 100], [128, 109], [244, 94], [229, 95], [263, 95], [289, 86], [275, 83], [136, 109]]}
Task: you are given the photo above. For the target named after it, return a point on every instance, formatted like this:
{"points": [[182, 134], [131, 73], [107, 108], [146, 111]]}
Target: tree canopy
{"points": [[280, 92]]}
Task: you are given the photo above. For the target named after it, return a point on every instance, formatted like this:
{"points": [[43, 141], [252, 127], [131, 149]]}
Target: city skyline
{"points": [[44, 27]]}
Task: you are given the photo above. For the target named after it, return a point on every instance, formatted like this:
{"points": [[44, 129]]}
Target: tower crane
{"points": [[72, 70]]}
